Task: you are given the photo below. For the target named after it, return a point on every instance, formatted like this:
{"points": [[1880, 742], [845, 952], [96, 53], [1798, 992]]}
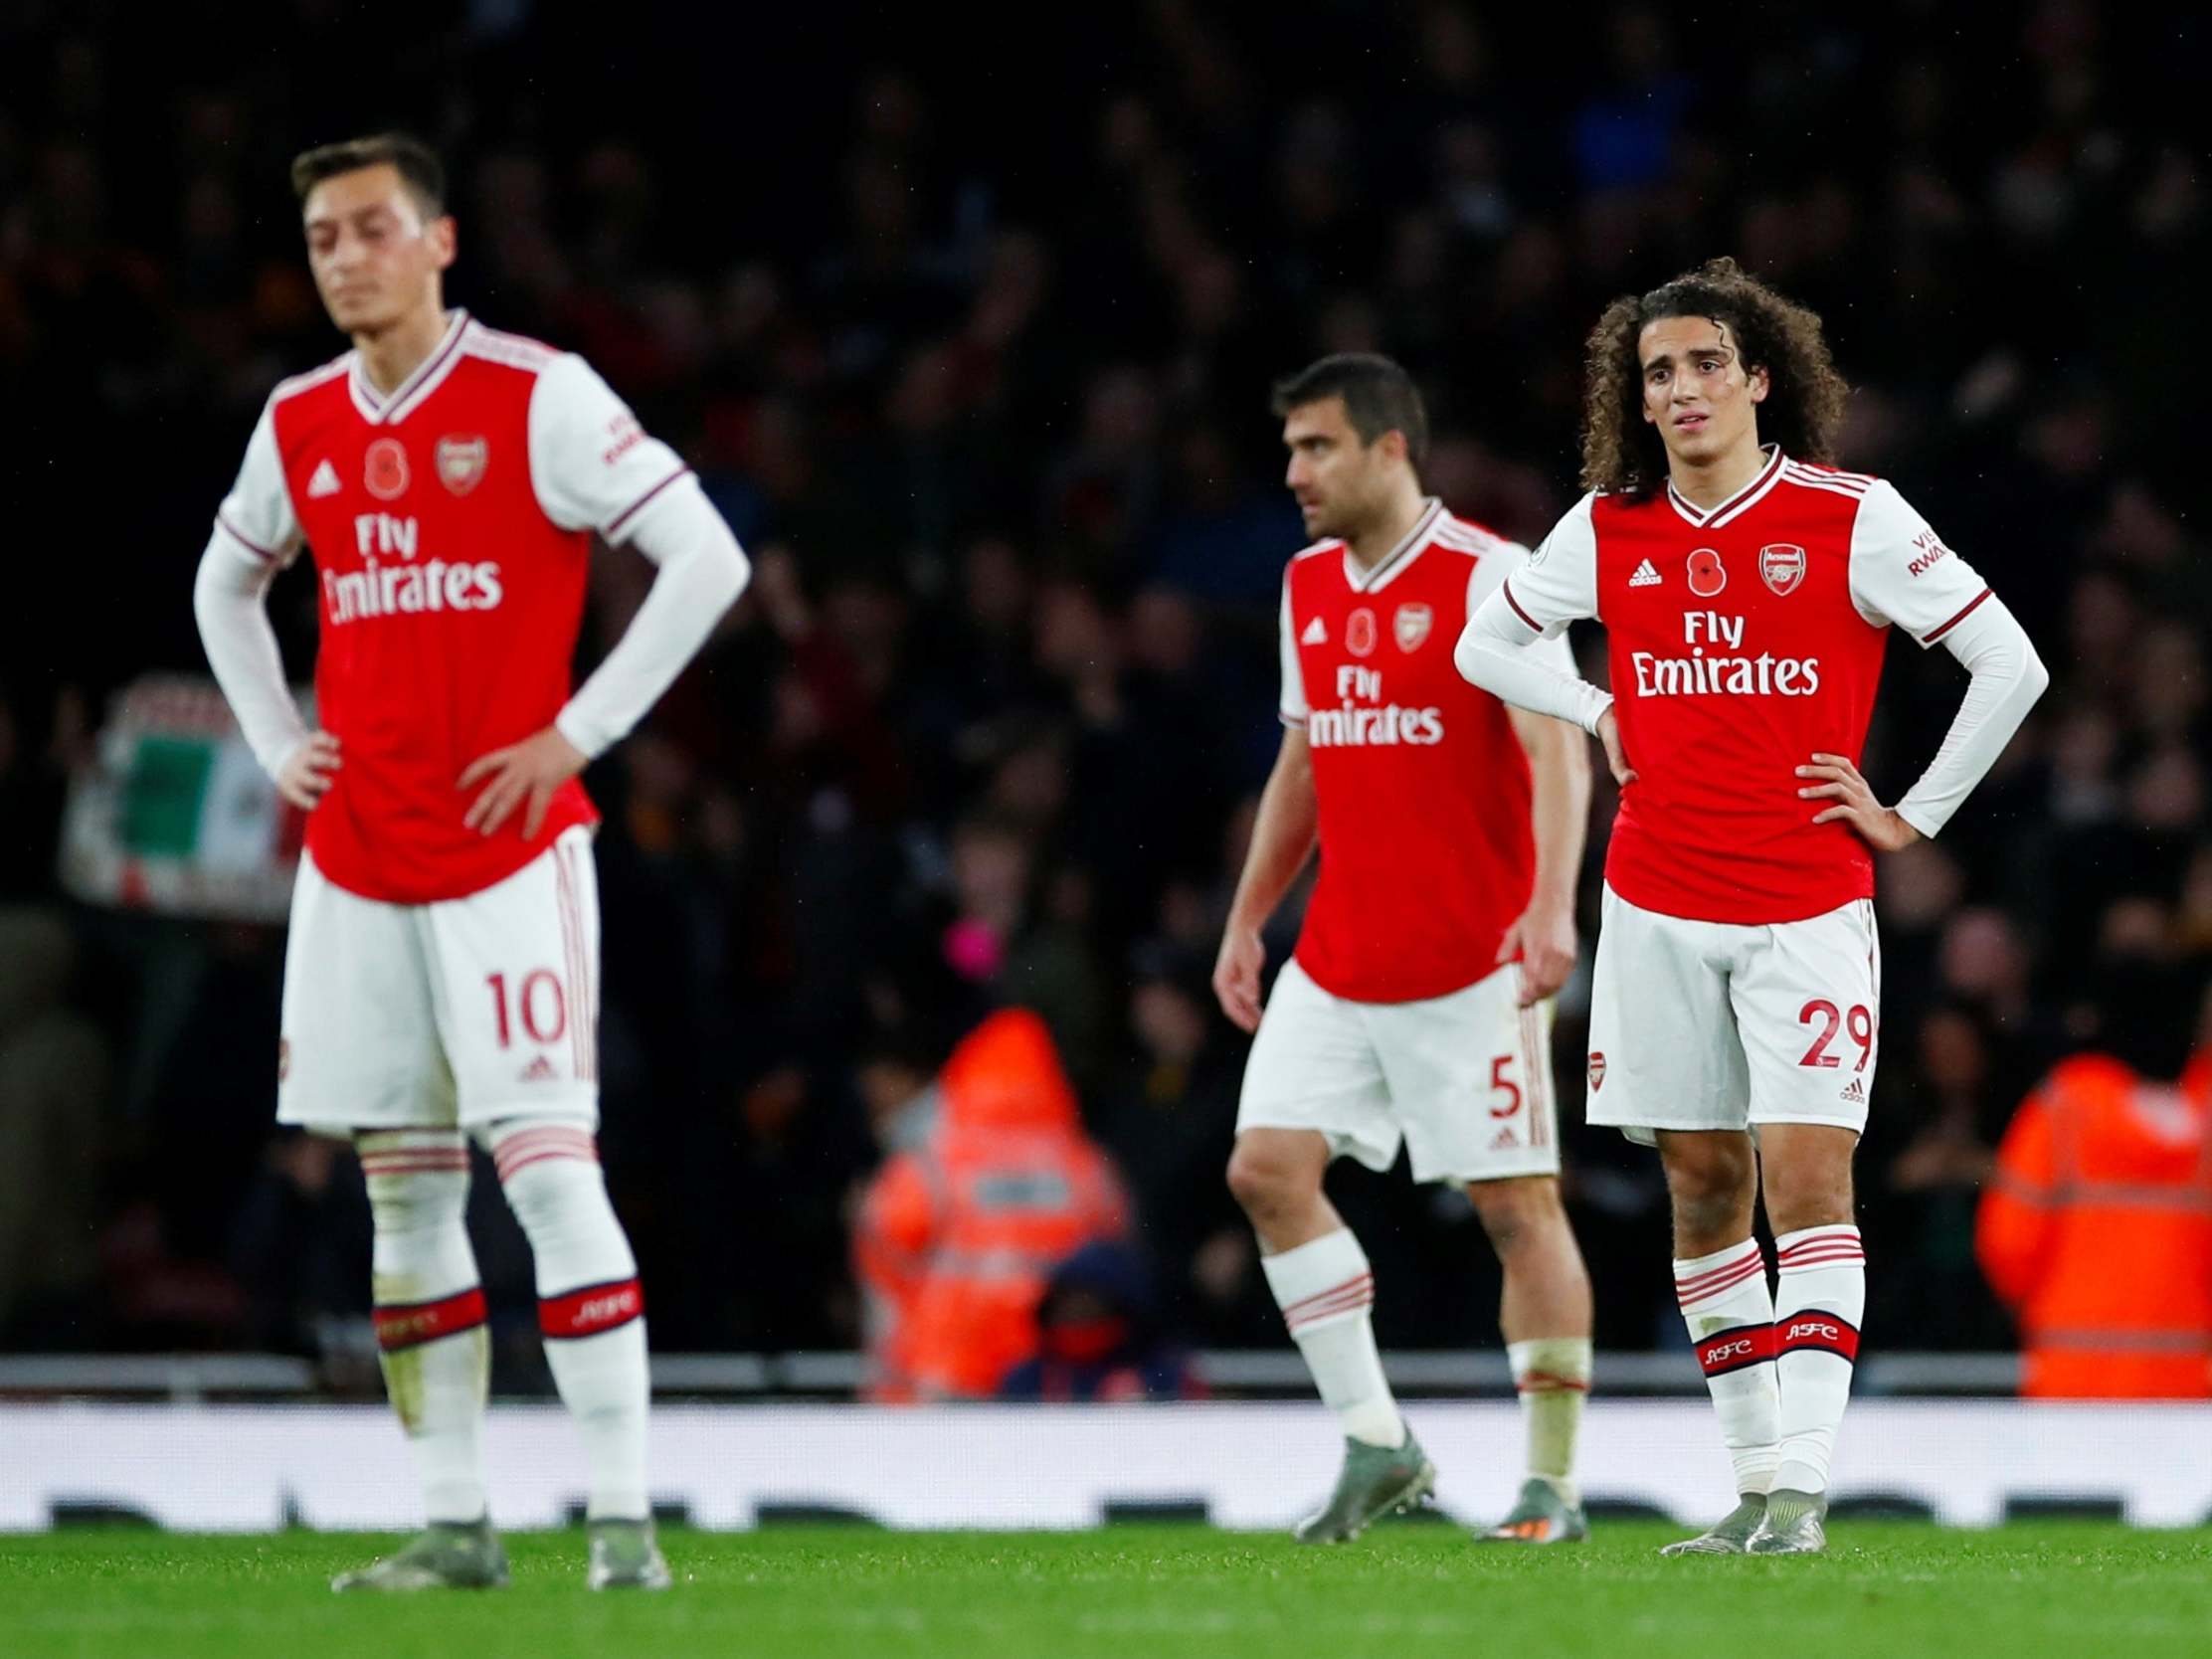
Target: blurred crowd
{"points": [[973, 347]]}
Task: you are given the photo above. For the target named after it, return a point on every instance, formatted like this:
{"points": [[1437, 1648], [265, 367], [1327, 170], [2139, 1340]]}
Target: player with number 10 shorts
{"points": [[441, 976]]}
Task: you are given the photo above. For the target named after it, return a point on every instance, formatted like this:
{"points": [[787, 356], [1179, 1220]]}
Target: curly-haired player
{"points": [[1747, 589]]}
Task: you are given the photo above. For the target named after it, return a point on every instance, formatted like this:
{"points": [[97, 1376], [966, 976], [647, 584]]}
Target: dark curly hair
{"points": [[1623, 455]]}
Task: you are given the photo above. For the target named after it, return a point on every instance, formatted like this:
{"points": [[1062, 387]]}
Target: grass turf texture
{"points": [[1134, 1593]]}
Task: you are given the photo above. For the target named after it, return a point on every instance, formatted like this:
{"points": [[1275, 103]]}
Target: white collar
{"points": [[1409, 547], [1711, 518], [379, 410]]}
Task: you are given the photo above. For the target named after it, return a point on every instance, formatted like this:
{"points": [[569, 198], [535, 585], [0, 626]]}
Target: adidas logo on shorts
{"points": [[1645, 576], [540, 1070], [1504, 1138], [1854, 1092]]}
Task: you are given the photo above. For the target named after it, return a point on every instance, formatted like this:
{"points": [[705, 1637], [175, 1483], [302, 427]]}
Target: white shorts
{"points": [[1720, 1025], [1464, 1080], [449, 1015]]}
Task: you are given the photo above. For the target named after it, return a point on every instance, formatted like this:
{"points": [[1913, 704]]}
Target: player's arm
{"points": [[1557, 584], [1559, 772], [1544, 935], [591, 467], [1902, 574], [1284, 836], [255, 535]]}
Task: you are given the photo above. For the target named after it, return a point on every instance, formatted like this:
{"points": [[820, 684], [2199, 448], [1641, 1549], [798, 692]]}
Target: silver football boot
{"points": [[1796, 1525], [625, 1555], [1539, 1516], [1375, 1481], [446, 1554], [1731, 1534]]}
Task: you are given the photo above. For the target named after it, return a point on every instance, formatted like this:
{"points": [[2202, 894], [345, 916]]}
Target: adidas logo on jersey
{"points": [[1854, 1092], [324, 482], [1317, 634], [1645, 576]]}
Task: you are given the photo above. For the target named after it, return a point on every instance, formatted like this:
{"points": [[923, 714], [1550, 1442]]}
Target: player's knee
{"points": [[418, 1182], [1265, 1183], [1799, 1198], [549, 1171], [1516, 1213], [1711, 1180]]}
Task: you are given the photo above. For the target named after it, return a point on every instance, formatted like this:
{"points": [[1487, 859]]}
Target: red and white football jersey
{"points": [[450, 525], [1743, 639], [1428, 854]]}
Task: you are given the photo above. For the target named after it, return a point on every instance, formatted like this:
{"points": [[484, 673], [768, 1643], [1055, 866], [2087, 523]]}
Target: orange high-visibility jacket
{"points": [[2096, 1229], [957, 1237]]}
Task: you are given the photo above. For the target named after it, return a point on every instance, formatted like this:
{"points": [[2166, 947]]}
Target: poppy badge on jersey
{"points": [[1782, 566], [461, 463], [1410, 626], [1358, 633], [384, 469], [1708, 575]]}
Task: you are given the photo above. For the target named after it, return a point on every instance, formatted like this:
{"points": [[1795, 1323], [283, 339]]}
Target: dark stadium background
{"points": [[967, 319]]}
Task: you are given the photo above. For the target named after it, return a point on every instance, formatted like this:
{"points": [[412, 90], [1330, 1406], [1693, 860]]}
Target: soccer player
{"points": [[1414, 1009], [1747, 589], [442, 980]]}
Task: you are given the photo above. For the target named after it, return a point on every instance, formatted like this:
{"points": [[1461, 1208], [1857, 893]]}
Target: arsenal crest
{"points": [[461, 463], [1598, 1070], [1782, 566], [1410, 626], [1358, 633], [1708, 575], [384, 469]]}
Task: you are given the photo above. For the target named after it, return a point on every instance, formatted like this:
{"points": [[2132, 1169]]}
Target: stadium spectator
{"points": [[958, 1234], [1100, 1337], [2097, 1227]]}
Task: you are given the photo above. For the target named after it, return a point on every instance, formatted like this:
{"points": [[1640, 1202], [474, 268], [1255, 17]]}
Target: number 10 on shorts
{"points": [[537, 1004]]}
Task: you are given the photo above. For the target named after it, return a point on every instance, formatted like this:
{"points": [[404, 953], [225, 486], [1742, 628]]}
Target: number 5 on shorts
{"points": [[1499, 1083]]}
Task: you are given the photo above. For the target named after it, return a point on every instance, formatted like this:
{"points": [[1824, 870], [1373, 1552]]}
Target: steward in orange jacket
{"points": [[2097, 1231], [958, 1234]]}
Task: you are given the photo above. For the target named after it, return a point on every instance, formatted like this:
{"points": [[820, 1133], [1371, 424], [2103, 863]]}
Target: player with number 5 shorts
{"points": [[442, 974], [1416, 1011], [1749, 588]]}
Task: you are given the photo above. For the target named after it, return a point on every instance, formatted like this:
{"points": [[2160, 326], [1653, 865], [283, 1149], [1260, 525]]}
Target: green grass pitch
{"points": [[1135, 1592]]}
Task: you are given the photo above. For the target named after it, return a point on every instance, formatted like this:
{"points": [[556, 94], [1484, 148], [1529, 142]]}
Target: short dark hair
{"points": [[419, 169], [1379, 397]]}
